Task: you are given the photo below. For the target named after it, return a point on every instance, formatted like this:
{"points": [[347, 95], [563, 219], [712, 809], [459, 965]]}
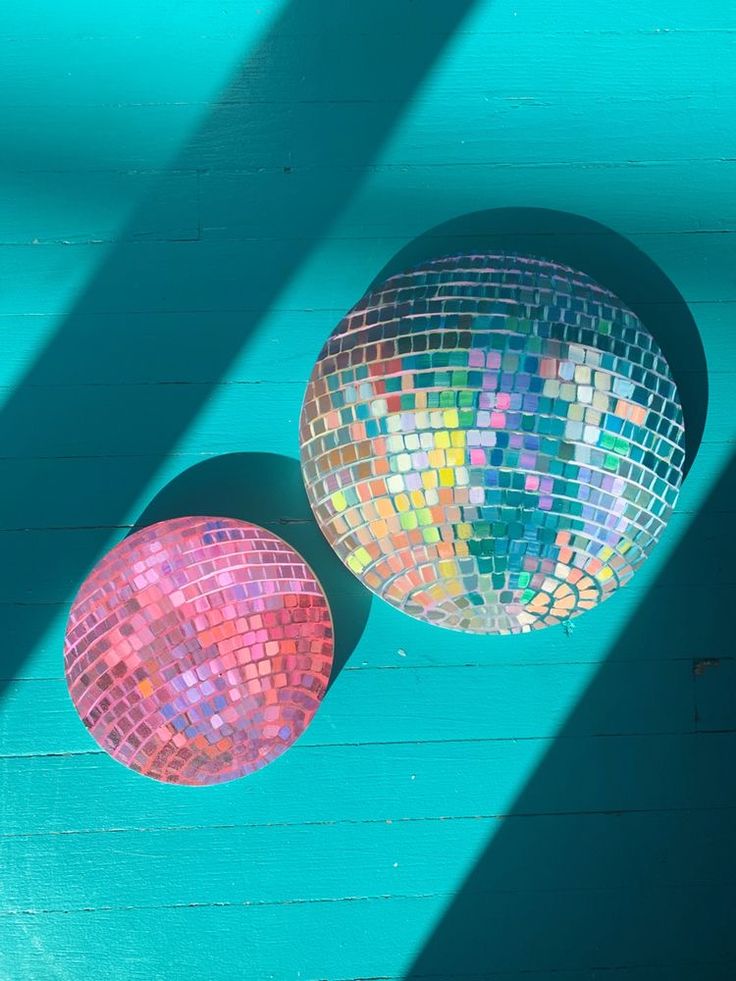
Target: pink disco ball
{"points": [[198, 649]]}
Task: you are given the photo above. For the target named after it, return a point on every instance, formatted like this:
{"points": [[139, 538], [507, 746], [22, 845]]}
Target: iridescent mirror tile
{"points": [[492, 443]]}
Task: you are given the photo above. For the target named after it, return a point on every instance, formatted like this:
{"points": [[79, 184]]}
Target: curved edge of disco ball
{"points": [[609, 258], [266, 489], [441, 253], [144, 525]]}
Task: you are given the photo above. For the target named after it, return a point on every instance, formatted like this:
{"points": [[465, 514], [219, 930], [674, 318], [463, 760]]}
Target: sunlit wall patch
{"points": [[492, 443], [198, 649]]}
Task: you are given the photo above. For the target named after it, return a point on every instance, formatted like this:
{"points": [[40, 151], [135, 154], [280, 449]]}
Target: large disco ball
{"points": [[492, 443], [198, 649]]}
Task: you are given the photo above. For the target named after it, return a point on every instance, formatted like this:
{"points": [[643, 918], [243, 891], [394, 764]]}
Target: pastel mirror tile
{"points": [[492, 443]]}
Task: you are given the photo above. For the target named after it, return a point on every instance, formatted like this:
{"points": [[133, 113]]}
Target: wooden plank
{"points": [[226, 17], [289, 67], [70, 208], [393, 641], [715, 691], [568, 128], [631, 198], [492, 701], [407, 781], [343, 939], [123, 869], [112, 206], [207, 275]]}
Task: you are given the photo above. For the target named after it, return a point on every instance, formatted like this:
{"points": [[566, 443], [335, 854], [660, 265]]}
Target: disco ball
{"points": [[492, 443], [198, 649]]}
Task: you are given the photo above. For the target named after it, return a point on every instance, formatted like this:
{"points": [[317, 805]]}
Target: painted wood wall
{"points": [[193, 192]]}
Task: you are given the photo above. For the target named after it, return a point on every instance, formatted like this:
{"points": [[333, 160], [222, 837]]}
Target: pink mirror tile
{"points": [[198, 649]]}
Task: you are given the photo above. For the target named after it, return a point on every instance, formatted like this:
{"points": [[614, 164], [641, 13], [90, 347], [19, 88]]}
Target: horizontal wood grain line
{"points": [[190, 17], [392, 743], [632, 733], [317, 901], [662, 609], [201, 240], [400, 239], [217, 233], [312, 67], [230, 233], [501, 816], [490, 704], [296, 68], [308, 784], [275, 523], [405, 662], [717, 971], [337, 311], [225, 171], [52, 606], [145, 136], [460, 32], [97, 943], [208, 383], [210, 905], [649, 971], [460, 674], [381, 859], [185, 276], [523, 98], [51, 754]]}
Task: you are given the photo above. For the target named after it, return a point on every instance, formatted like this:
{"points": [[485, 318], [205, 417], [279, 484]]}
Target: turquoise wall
{"points": [[193, 192]]}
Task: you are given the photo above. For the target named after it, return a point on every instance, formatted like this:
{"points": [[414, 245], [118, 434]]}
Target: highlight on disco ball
{"points": [[198, 649], [492, 443]]}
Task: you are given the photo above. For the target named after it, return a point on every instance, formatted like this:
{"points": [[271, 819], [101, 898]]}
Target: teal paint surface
{"points": [[194, 191]]}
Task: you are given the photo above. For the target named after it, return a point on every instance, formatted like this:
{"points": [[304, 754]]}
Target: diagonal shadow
{"points": [[46, 412], [619, 851]]}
